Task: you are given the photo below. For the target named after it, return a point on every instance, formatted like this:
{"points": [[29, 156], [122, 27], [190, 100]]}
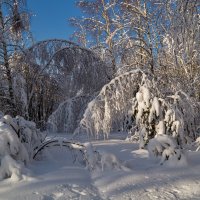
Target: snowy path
{"points": [[55, 178]]}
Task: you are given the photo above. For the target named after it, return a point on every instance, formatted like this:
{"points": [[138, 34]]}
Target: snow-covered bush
{"points": [[165, 148], [155, 116], [107, 112], [18, 138]]}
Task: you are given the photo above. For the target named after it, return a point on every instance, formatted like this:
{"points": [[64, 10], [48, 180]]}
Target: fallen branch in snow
{"points": [[61, 142]]}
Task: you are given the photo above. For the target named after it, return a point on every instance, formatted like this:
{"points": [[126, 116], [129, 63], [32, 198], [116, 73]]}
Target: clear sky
{"points": [[51, 18]]}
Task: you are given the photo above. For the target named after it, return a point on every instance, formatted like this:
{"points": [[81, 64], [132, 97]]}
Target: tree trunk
{"points": [[7, 66]]}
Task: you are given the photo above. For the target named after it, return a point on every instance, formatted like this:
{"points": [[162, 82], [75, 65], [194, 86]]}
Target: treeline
{"points": [[161, 37]]}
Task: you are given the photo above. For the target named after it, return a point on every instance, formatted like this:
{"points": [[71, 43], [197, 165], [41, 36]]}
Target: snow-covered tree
{"points": [[107, 110], [178, 56], [140, 46], [13, 27], [136, 95], [103, 28], [56, 71]]}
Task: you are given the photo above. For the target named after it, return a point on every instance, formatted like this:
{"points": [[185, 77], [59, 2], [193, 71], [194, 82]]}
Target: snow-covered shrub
{"points": [[165, 148], [130, 94], [172, 116], [155, 116], [18, 138]]}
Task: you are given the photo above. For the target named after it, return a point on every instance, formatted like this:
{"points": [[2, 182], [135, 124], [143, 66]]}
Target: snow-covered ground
{"points": [[55, 177], [147, 179]]}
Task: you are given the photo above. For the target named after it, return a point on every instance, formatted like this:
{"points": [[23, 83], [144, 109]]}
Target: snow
{"points": [[146, 178], [146, 95], [160, 128], [54, 176]]}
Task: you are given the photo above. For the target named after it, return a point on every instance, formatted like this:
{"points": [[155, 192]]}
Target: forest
{"points": [[131, 69]]}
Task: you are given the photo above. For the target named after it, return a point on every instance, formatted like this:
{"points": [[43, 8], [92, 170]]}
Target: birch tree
{"points": [[13, 25], [103, 23]]}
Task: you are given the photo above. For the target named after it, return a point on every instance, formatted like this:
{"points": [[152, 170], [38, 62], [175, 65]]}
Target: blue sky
{"points": [[51, 18]]}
